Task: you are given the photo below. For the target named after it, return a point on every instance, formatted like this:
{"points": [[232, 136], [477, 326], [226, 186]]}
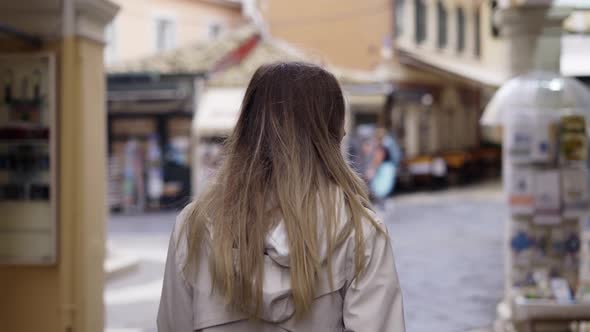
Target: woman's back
{"points": [[282, 238], [371, 302]]}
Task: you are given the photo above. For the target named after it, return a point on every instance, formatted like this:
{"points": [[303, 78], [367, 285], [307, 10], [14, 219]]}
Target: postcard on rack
{"points": [[575, 191], [547, 199], [520, 190]]}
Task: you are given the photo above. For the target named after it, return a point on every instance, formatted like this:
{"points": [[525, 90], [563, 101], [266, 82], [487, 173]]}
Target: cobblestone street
{"points": [[448, 247]]}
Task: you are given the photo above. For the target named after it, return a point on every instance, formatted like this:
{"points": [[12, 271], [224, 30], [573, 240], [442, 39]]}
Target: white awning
{"points": [[576, 4], [217, 111], [369, 103]]}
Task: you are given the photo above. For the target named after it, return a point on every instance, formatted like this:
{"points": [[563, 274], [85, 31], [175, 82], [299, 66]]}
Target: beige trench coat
{"points": [[371, 303]]}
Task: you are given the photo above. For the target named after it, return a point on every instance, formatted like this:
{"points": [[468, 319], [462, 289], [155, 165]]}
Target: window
{"points": [[399, 17], [441, 11], [460, 30], [214, 30], [477, 23], [420, 8], [494, 10], [165, 34], [110, 38]]}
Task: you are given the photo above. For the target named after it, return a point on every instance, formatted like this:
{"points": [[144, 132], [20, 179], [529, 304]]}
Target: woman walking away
{"points": [[283, 239]]}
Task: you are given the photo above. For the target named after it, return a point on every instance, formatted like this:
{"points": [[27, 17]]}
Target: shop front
{"points": [[149, 121], [218, 111], [214, 121]]}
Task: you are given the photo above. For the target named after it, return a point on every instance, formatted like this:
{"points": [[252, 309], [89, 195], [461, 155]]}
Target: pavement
{"points": [[131, 300], [447, 244]]}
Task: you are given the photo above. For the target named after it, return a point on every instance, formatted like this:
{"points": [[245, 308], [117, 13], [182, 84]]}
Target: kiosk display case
{"points": [[28, 156], [545, 119]]}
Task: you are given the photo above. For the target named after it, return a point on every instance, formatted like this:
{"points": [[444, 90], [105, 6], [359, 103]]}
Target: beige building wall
{"points": [[501, 56], [493, 46], [133, 34], [488, 67], [348, 33]]}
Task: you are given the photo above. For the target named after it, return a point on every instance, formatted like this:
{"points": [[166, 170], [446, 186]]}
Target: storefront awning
{"points": [[217, 111], [370, 103]]}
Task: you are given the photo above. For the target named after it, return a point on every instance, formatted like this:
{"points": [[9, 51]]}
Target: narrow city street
{"points": [[448, 247]]}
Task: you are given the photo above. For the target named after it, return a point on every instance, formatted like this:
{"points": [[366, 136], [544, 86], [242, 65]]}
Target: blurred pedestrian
{"points": [[366, 157], [155, 176], [354, 152], [284, 238], [382, 170], [133, 177]]}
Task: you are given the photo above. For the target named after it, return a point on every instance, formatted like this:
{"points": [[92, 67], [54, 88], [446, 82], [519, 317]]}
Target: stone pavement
{"points": [[448, 248], [132, 301]]}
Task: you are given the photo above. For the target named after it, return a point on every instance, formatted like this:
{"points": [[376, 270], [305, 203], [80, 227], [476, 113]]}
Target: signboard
{"points": [[28, 157]]}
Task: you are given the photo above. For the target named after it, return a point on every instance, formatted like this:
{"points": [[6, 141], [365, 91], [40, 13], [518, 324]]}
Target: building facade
{"points": [[144, 28], [455, 36], [458, 43], [481, 44], [471, 40], [432, 112], [346, 33], [150, 112]]}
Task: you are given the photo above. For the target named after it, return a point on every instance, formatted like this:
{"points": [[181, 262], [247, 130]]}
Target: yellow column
{"points": [[83, 204]]}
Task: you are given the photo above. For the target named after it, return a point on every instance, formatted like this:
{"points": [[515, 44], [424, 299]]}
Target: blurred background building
{"points": [[383, 66], [150, 110], [424, 70], [351, 34], [143, 28]]}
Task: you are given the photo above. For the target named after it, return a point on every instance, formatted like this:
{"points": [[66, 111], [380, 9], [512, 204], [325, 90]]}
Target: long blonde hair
{"points": [[283, 158]]}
